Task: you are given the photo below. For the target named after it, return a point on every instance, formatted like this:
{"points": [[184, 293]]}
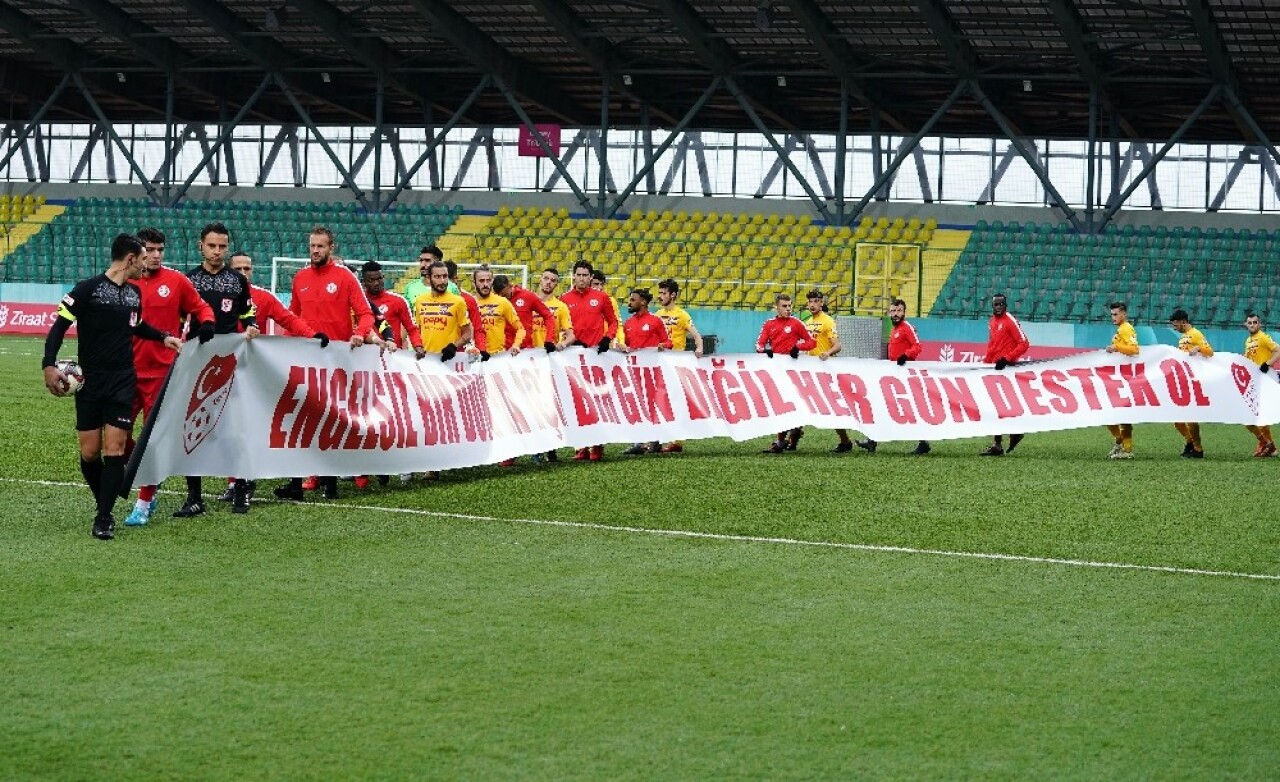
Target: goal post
{"points": [[397, 273]]}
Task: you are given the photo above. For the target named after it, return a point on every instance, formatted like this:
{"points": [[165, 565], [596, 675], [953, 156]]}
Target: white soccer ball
{"points": [[73, 373]]}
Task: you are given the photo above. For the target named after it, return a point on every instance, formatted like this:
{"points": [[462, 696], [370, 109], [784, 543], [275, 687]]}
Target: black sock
{"points": [[112, 477], [195, 487], [295, 483], [999, 439], [92, 472]]}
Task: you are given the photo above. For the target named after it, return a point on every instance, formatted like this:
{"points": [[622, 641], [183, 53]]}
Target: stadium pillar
{"points": [[647, 169], [379, 99], [439, 138], [1031, 160], [602, 155], [328, 150], [1091, 157], [1239, 106], [841, 149], [907, 149], [777, 148], [1115, 205], [166, 175], [110, 128], [546, 148], [21, 139], [223, 137]]}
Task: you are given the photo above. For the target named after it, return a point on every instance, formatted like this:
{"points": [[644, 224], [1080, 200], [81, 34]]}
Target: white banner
{"points": [[281, 406]]}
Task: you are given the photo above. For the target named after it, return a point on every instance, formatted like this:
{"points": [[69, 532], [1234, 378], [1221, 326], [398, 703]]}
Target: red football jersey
{"points": [[168, 297]]}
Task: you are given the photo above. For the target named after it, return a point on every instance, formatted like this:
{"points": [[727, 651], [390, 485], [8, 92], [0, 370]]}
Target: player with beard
{"points": [[826, 344], [1006, 342], [329, 298], [478, 336], [426, 256], [678, 324], [442, 316], [643, 331], [108, 311], [391, 308], [169, 299], [558, 330], [498, 320], [227, 294], [594, 322], [904, 346]]}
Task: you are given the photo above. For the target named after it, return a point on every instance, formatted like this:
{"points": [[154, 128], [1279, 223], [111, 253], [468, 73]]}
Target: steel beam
{"points": [[1112, 208], [224, 136], [546, 148], [427, 154], [347, 179], [27, 129], [1092, 61], [143, 179], [523, 77], [1220, 65]]}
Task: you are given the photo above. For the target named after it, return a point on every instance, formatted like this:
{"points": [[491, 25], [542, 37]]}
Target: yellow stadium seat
{"points": [[898, 223], [930, 223], [562, 213], [914, 223]]}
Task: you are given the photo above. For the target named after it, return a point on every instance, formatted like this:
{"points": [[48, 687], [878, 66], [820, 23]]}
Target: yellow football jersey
{"points": [[1260, 348], [539, 327], [441, 318], [1192, 338], [822, 327], [1125, 340], [496, 313], [620, 338], [678, 324]]}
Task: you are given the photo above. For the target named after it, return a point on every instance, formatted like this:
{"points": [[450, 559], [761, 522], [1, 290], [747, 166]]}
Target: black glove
{"points": [[768, 352], [603, 347], [550, 346], [578, 343], [484, 355], [1001, 363], [324, 339], [449, 352], [205, 333], [794, 353], [1265, 367], [902, 360]]}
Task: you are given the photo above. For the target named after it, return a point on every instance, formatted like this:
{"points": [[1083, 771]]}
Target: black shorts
{"points": [[106, 399]]}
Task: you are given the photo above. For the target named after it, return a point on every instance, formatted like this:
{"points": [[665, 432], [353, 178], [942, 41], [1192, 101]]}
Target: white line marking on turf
{"points": [[693, 535]]}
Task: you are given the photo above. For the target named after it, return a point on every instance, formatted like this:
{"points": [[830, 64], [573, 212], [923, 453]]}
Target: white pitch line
{"points": [[691, 534]]}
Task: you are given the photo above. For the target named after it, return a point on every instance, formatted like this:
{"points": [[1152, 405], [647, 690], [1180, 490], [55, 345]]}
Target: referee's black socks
{"points": [[112, 475], [92, 472], [195, 488]]}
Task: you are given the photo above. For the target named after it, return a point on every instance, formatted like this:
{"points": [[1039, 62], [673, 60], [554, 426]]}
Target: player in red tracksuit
{"points": [[904, 346], [643, 331], [783, 334], [329, 298], [1006, 343], [526, 304], [393, 309], [168, 297], [593, 323], [265, 304]]}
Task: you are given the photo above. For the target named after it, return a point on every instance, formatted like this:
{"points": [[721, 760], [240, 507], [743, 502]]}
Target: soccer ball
{"points": [[73, 373]]}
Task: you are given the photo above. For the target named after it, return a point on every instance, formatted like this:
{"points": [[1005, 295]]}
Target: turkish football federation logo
{"points": [[208, 399], [1246, 386]]}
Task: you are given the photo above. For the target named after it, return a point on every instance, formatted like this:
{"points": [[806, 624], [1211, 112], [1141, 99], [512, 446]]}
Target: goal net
{"points": [[396, 274]]}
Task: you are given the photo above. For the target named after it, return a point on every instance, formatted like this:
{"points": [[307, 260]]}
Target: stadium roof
{"points": [[1151, 63]]}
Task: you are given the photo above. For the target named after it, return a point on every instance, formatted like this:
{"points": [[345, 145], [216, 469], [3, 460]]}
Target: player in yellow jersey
{"points": [[561, 332], [442, 316], [1193, 343], [822, 327], [1124, 342], [496, 315], [1260, 348], [679, 328], [597, 281]]}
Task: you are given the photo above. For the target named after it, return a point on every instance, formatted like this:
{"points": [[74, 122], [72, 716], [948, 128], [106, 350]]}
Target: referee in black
{"points": [[108, 310], [227, 293]]}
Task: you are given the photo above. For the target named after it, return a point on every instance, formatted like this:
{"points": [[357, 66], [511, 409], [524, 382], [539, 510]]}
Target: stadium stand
{"points": [[1054, 274], [70, 246], [736, 260]]}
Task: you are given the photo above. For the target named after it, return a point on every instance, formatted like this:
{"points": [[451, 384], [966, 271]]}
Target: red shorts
{"points": [[146, 395]]}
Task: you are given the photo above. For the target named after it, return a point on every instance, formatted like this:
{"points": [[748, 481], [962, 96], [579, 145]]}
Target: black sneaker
{"points": [[331, 488], [104, 528], [250, 489], [1193, 453], [921, 449], [992, 450], [867, 445], [383, 480], [842, 448], [1187, 448], [289, 492], [240, 498], [636, 450], [191, 508], [228, 495], [552, 456], [775, 447], [1014, 439]]}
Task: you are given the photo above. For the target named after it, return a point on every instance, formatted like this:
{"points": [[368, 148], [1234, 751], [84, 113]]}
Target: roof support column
{"points": [[20, 140], [223, 137], [111, 131], [328, 150], [437, 140], [546, 148]]}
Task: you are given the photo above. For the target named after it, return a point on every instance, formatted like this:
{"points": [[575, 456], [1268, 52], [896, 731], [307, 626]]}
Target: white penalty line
{"points": [[694, 535]]}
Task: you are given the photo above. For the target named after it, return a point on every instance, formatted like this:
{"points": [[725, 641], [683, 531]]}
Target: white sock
{"points": [[141, 505]]}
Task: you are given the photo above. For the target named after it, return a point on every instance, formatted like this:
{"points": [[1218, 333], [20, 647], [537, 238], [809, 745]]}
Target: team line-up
{"points": [[130, 319]]}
